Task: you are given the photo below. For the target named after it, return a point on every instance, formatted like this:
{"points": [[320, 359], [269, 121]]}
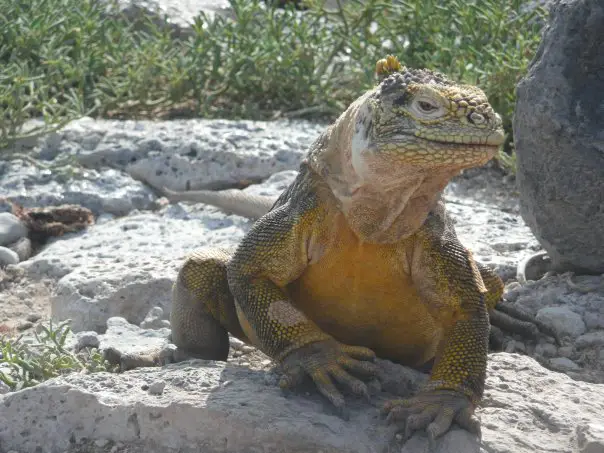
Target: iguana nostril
{"points": [[476, 118]]}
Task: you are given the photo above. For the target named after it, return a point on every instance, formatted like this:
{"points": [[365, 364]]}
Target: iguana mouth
{"points": [[493, 140]]}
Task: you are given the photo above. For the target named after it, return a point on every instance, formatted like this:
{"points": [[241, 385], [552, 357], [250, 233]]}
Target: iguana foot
{"points": [[433, 411], [506, 318], [328, 361]]}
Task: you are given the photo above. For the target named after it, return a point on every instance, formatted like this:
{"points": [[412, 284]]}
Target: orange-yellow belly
{"points": [[360, 294]]}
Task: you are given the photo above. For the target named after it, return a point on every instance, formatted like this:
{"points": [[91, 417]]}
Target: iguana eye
{"points": [[426, 106]]}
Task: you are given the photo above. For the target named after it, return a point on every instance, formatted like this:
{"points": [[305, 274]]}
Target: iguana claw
{"points": [[329, 361], [433, 411]]}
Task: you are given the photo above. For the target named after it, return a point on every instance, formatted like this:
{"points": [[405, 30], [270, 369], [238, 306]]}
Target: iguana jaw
{"points": [[420, 152]]}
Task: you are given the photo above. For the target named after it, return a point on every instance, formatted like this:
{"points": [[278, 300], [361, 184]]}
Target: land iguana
{"points": [[358, 257]]}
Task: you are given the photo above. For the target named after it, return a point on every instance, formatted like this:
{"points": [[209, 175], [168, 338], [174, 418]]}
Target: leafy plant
{"points": [[62, 59], [25, 364]]}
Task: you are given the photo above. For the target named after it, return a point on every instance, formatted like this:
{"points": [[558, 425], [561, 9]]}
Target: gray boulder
{"points": [[559, 137]]}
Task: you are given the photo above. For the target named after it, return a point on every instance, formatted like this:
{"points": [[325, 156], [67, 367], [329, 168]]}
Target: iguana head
{"points": [[388, 157], [423, 118]]}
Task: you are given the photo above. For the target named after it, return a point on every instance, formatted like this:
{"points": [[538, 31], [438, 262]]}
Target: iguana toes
{"points": [[358, 257]]}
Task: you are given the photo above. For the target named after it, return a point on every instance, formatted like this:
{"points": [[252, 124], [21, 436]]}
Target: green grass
{"points": [[27, 363], [60, 59]]}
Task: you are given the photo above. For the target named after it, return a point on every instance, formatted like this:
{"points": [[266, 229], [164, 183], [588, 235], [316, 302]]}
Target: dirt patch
{"points": [[24, 302]]}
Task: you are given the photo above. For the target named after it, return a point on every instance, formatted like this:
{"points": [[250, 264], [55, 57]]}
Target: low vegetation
{"points": [[27, 361], [61, 59]]}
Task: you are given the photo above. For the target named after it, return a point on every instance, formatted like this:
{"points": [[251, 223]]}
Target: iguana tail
{"points": [[234, 201]]}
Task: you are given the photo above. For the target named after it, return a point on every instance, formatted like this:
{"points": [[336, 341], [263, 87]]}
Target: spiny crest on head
{"points": [[387, 66], [391, 68]]}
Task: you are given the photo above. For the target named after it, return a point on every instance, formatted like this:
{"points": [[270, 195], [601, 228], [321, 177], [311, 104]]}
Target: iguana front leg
{"points": [[449, 282], [273, 254]]}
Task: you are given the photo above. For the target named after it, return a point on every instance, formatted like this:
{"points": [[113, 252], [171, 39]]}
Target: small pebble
{"points": [[34, 317], [22, 248], [157, 388], [167, 353], [563, 363], [236, 343], [87, 339], [24, 325], [247, 349], [154, 320], [7, 256]]}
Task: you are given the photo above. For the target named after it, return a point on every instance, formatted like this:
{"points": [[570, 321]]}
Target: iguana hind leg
{"points": [[505, 318], [203, 313], [203, 308]]}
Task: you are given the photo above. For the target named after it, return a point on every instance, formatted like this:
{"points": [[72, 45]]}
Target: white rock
{"points": [[7, 256], [189, 154], [157, 387], [125, 267], [102, 191], [563, 320], [538, 411], [11, 228], [127, 338], [154, 320]]}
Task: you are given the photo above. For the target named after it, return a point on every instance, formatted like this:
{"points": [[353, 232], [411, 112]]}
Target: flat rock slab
{"points": [[126, 266], [217, 407], [186, 154], [104, 190]]}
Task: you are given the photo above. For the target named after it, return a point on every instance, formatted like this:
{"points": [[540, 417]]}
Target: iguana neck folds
{"points": [[383, 198]]}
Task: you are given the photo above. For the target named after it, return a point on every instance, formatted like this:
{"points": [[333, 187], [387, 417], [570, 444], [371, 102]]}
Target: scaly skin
{"points": [[358, 257]]}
